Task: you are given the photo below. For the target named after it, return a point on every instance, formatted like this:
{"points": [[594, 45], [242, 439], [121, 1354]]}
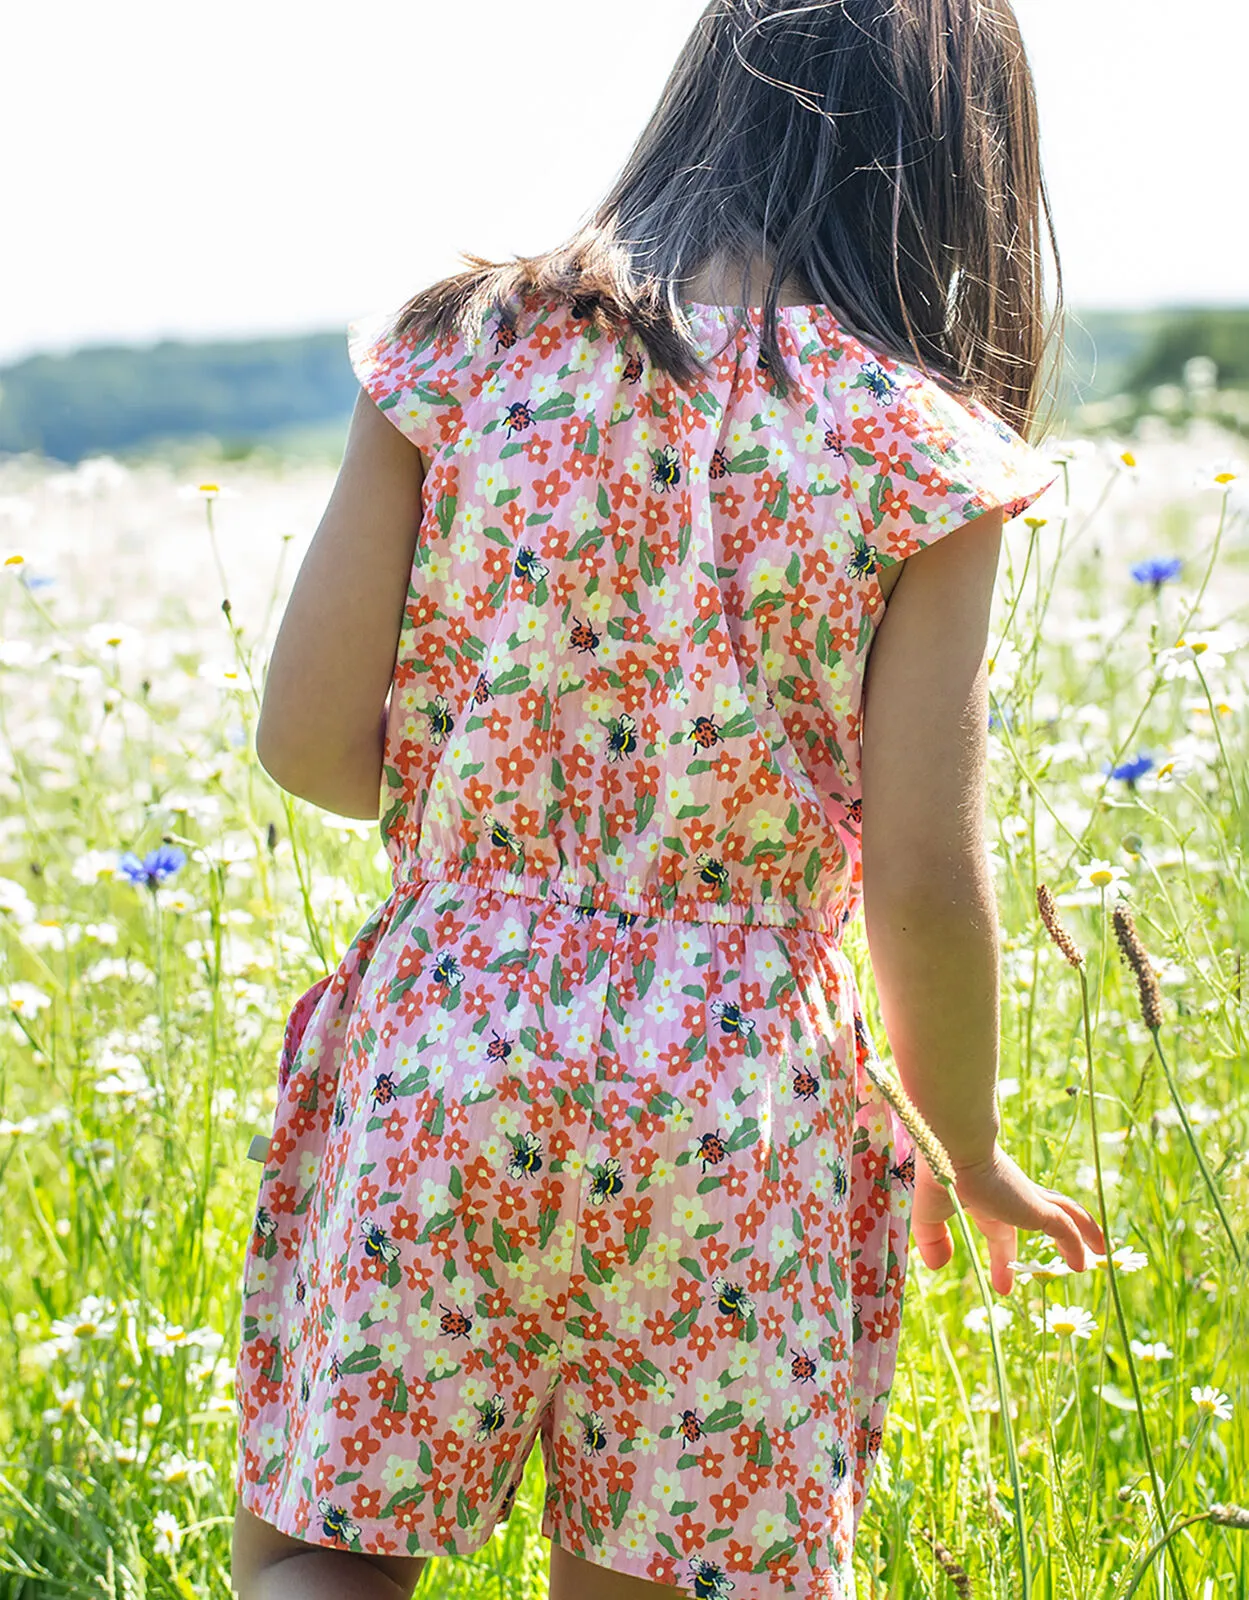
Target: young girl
{"points": [[649, 539]]}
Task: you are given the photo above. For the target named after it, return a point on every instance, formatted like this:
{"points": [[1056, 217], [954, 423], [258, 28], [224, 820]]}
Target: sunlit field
{"points": [[162, 904]]}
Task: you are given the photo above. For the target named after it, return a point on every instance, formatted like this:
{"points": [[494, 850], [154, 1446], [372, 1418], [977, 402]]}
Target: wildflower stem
{"points": [[1113, 1277], [999, 1372], [1143, 1565], [1218, 736], [1200, 1159]]}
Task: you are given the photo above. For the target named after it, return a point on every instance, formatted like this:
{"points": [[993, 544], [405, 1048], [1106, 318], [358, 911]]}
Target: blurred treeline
{"points": [[294, 395]]}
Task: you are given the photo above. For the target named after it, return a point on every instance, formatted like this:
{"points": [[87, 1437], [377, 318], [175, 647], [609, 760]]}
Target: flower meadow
{"points": [[163, 903]]}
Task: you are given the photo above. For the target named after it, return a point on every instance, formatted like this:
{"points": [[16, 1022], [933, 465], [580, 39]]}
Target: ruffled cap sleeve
{"points": [[923, 462]]}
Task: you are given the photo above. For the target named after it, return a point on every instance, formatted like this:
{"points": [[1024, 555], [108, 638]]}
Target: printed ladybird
{"points": [[504, 336], [583, 637], [519, 417], [719, 467], [457, 1323], [633, 369], [705, 733], [802, 1367], [711, 1148], [691, 1427], [498, 1049], [806, 1085]]}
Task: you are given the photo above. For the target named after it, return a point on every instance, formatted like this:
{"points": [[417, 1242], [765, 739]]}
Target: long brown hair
{"points": [[883, 153]]}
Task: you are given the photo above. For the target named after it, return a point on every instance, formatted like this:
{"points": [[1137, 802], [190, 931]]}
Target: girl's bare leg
{"points": [[269, 1565]]}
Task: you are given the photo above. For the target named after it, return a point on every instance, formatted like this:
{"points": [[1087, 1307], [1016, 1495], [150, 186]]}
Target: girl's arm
{"points": [[322, 717], [928, 900]]}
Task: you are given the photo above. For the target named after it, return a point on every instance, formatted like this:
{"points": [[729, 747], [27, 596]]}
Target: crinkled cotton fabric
{"points": [[576, 1147]]}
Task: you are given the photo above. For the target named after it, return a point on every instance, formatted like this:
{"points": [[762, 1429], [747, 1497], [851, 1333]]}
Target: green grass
{"points": [[136, 1064]]}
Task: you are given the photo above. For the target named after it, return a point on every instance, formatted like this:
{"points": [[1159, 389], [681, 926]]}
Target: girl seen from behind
{"points": [[634, 603]]}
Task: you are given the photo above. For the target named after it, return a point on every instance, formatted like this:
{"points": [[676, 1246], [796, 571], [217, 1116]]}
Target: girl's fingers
{"points": [[1063, 1231], [932, 1240], [1090, 1232], [1003, 1249]]}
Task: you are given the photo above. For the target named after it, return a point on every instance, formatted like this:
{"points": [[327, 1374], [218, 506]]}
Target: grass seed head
{"points": [[1055, 929], [926, 1141], [1230, 1516], [1134, 954]]}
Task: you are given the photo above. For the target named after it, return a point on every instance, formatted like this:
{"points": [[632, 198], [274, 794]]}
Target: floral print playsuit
{"points": [[576, 1145]]}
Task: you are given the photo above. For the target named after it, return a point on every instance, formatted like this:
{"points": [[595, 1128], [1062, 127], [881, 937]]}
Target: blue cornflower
{"points": [[1157, 570], [1131, 770], [156, 866], [996, 720]]}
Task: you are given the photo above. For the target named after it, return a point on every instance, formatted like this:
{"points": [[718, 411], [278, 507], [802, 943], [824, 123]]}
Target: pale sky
{"points": [[256, 166]]}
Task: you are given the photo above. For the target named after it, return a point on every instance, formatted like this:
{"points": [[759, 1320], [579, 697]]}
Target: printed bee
{"points": [[529, 567], [340, 1110], [383, 1090], [863, 562], [713, 872], [457, 1323], [719, 467], [582, 914], [904, 1171], [875, 1438], [879, 381], [441, 722], [731, 1299], [764, 365], [519, 417], [447, 970], [266, 1226], [802, 1367], [711, 1148], [336, 1524], [633, 369], [806, 1084], [837, 1459], [492, 1414], [667, 473], [526, 1158], [378, 1245], [334, 1371], [626, 919], [690, 1426], [498, 1049], [305, 1388], [583, 637], [504, 336], [729, 1015], [710, 1581], [301, 1289], [705, 733], [482, 690], [594, 1434], [840, 1182], [622, 738], [502, 837], [607, 1182]]}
